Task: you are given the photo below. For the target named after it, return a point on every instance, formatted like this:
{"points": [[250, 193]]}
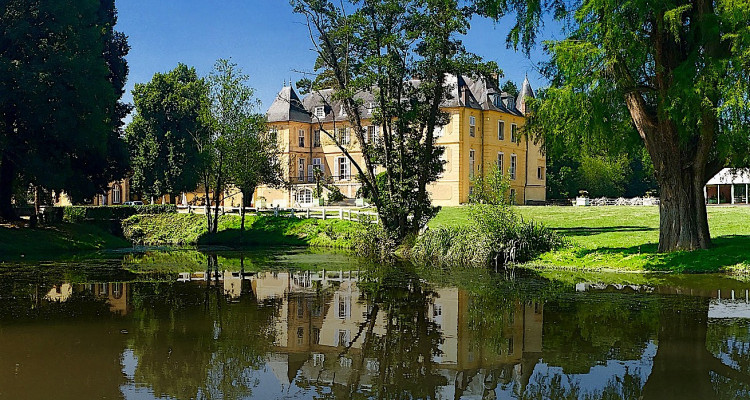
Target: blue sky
{"points": [[264, 38]]}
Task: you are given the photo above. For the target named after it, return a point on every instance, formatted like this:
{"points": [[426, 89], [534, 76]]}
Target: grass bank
{"points": [[190, 229], [625, 238], [17, 242]]}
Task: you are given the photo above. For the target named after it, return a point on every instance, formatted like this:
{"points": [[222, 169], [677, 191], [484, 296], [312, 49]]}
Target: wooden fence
{"points": [[345, 214]]}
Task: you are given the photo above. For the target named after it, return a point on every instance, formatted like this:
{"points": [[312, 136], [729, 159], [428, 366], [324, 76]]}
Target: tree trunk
{"points": [[7, 176], [208, 206], [683, 223]]}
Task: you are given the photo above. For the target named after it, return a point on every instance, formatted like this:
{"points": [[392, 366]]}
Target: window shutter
{"points": [[336, 167]]}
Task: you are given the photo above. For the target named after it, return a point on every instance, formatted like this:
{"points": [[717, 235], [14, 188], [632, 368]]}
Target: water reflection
{"points": [[383, 333]]}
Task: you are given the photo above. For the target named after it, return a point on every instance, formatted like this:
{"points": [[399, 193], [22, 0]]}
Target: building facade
{"points": [[484, 129]]}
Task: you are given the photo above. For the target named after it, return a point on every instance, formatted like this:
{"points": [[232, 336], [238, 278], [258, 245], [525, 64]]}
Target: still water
{"points": [[309, 326]]}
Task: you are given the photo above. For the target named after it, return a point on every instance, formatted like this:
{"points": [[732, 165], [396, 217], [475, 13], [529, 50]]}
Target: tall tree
{"points": [[232, 122], [163, 153], [62, 73], [253, 159], [402, 51], [676, 70]]}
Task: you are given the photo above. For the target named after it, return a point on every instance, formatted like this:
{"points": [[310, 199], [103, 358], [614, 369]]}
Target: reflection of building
{"points": [[323, 326], [116, 294]]}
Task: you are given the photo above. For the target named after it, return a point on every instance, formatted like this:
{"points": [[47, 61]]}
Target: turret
{"points": [[526, 93]]}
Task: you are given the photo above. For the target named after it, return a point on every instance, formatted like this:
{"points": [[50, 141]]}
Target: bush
{"points": [[496, 232], [78, 214]]}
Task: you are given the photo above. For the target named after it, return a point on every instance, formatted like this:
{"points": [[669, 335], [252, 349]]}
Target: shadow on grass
{"points": [[726, 251], [260, 232], [589, 231]]}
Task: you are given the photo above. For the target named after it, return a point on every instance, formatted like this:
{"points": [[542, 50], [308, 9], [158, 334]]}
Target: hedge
{"points": [[103, 213]]}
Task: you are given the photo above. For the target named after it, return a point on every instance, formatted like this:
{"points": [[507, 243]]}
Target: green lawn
{"points": [[190, 229], [625, 238]]}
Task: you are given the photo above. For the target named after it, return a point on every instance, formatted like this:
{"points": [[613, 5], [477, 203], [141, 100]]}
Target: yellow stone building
{"points": [[484, 129]]}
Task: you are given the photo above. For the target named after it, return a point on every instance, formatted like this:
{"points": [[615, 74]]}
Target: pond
{"points": [[295, 324]]}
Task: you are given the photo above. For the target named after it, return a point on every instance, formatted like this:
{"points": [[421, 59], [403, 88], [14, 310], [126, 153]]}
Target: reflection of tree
{"points": [[683, 367], [191, 344], [561, 387], [591, 329], [404, 353]]}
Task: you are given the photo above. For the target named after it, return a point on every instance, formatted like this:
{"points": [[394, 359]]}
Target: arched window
{"points": [[304, 196], [116, 195]]}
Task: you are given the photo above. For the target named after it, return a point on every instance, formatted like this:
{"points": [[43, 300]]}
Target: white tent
{"points": [[729, 186]]}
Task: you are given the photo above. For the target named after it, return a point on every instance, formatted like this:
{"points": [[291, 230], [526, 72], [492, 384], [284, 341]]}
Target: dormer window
{"points": [[342, 112], [370, 107], [320, 112]]}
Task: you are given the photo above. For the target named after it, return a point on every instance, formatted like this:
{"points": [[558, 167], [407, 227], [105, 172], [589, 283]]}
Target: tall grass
{"points": [[496, 233]]}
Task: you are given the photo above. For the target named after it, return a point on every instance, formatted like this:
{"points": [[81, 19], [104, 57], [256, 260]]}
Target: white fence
{"points": [[319, 213], [621, 201]]}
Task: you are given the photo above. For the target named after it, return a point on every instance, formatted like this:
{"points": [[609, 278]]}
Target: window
{"points": [[342, 111], [343, 136], [317, 163], [514, 133], [510, 345], [540, 173], [273, 133], [320, 112], [316, 335], [372, 134], [304, 196], [116, 195], [316, 138], [318, 359], [342, 166], [501, 163], [344, 308], [472, 126], [342, 339], [512, 196], [301, 136], [513, 161], [500, 130], [370, 107], [301, 169], [471, 163]]}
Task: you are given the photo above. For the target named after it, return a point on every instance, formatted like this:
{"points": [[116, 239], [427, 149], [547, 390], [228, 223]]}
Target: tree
{"points": [[62, 73], [382, 47], [510, 88], [163, 153], [233, 123], [253, 159], [676, 71]]}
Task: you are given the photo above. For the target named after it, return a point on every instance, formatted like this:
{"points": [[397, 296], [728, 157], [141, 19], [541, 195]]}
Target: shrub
{"points": [[77, 214], [496, 232]]}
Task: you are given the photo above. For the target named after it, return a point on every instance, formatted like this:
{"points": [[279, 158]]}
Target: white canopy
{"points": [[728, 176]]}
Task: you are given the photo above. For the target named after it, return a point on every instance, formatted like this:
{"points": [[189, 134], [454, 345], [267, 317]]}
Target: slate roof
{"points": [[462, 91]]}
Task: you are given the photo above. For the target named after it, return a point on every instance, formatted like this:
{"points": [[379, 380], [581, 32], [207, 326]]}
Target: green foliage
{"points": [[334, 194], [163, 152], [603, 177], [62, 73], [78, 214], [494, 232], [510, 88], [491, 188]]}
